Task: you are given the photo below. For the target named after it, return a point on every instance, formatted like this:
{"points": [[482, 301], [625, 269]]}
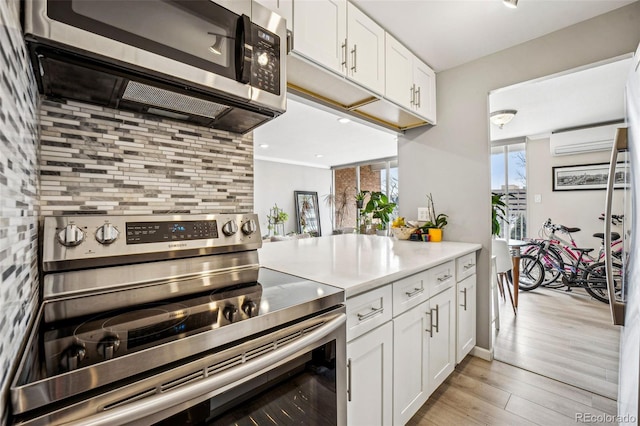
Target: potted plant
{"points": [[360, 195], [340, 205], [498, 211], [276, 218], [380, 208], [436, 222]]}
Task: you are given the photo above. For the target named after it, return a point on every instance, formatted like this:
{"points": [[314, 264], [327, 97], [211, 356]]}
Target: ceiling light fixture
{"points": [[319, 155], [511, 3], [343, 120], [502, 117], [264, 145]]}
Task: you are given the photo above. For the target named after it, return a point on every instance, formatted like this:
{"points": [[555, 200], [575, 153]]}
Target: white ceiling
{"points": [[579, 98], [444, 34]]}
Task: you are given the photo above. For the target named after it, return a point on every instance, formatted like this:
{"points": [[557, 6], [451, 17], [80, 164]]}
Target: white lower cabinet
{"points": [[396, 361], [442, 345], [410, 369], [369, 369]]}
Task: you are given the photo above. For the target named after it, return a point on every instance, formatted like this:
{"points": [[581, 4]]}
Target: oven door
{"points": [[294, 375]]}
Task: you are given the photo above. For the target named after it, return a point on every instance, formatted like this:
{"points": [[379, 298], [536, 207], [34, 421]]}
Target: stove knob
{"points": [[249, 227], [107, 233], [108, 346], [249, 308], [230, 312], [70, 236], [72, 357], [230, 228]]}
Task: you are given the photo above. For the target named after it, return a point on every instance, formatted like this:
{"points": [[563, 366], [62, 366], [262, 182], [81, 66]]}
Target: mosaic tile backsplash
{"points": [[96, 160], [18, 192]]}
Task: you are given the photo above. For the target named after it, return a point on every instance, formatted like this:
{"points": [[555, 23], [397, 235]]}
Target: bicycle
{"points": [[561, 254], [582, 272]]}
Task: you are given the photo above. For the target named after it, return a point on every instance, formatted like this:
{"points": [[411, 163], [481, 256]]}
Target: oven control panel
{"points": [[115, 334], [71, 240]]}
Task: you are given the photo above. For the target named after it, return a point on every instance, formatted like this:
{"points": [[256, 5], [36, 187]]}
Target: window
{"points": [[509, 177], [374, 176]]}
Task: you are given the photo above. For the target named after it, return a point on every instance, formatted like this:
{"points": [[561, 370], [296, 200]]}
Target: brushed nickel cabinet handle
{"points": [[354, 53], [444, 277], [415, 292], [468, 266], [372, 313], [437, 325], [430, 330], [349, 380], [464, 292], [344, 54]]}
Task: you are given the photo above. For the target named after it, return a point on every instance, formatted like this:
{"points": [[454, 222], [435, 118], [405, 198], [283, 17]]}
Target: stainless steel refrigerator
{"points": [[626, 310]]}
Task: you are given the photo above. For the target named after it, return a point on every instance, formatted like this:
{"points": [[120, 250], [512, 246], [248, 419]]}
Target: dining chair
{"points": [[504, 264]]}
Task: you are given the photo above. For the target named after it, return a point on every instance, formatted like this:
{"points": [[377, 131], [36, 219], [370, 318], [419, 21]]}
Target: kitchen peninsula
{"points": [[410, 314]]}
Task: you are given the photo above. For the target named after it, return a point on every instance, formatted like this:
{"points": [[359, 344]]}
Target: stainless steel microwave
{"points": [[219, 64]]}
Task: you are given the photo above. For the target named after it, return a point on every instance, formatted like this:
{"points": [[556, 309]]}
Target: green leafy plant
{"points": [[275, 217], [380, 207], [435, 220], [498, 211]]}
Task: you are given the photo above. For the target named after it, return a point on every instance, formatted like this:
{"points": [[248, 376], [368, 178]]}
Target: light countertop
{"points": [[358, 263]]}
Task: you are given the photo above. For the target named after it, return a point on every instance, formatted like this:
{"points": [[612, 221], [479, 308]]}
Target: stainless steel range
{"points": [[171, 320]]}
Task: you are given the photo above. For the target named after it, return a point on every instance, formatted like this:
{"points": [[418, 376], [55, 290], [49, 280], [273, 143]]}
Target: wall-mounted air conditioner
{"points": [[590, 139]]}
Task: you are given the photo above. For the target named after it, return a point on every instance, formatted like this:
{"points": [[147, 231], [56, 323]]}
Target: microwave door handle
{"points": [[617, 308], [243, 49]]}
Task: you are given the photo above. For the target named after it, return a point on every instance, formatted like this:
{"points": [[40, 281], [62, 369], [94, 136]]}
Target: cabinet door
{"points": [[410, 356], [425, 99], [399, 86], [442, 344], [365, 59], [466, 324], [320, 31], [283, 8], [369, 372]]}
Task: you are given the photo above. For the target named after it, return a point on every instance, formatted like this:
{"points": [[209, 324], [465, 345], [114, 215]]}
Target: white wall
{"points": [[276, 182], [452, 159], [579, 209]]}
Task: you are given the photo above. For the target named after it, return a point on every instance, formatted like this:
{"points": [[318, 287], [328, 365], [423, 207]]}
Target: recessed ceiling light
{"points": [[511, 3], [319, 155], [264, 145], [343, 120]]}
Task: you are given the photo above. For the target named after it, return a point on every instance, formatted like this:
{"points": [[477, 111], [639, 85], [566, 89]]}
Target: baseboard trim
{"points": [[482, 353]]}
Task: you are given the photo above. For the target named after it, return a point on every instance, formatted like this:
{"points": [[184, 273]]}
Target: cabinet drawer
{"points": [[465, 266], [441, 277], [367, 311], [409, 292]]}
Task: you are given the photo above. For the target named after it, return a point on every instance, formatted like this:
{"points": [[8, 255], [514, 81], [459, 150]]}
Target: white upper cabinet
{"points": [[283, 8], [399, 73], [409, 82], [366, 50], [425, 94], [320, 32]]}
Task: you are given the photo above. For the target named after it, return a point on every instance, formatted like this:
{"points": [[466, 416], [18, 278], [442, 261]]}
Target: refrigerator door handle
{"points": [[617, 307]]}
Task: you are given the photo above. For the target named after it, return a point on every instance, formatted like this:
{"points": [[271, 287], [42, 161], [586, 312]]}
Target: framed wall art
{"points": [[588, 176], [307, 213]]}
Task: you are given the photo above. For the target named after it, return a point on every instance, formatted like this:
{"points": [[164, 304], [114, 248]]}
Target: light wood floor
{"points": [[494, 393], [564, 336], [559, 362]]}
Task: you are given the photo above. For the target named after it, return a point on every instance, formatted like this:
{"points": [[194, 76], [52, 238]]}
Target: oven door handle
{"points": [[146, 408]]}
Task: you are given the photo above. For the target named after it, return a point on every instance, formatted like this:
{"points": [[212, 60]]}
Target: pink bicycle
{"points": [[562, 254]]}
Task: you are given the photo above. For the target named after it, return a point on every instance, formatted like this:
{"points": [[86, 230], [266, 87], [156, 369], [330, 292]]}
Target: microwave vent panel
{"points": [[149, 95]]}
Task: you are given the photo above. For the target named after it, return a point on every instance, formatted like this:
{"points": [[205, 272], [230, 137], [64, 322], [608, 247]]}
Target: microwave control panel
{"points": [[265, 67]]}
